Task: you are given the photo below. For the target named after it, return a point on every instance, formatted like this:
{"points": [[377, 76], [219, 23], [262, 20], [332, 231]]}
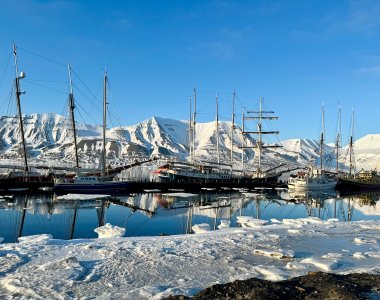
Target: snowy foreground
{"points": [[154, 267]]}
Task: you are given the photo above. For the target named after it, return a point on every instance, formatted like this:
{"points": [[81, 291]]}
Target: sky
{"points": [[297, 55]]}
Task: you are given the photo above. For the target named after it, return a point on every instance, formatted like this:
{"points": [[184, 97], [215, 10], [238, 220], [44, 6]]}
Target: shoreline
{"points": [[158, 267]]}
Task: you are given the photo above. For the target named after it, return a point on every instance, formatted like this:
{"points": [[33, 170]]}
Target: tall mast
{"points": [[104, 123], [242, 143], [190, 132], [217, 130], [351, 146], [260, 116], [260, 140], [338, 139], [72, 107], [232, 129], [322, 140], [194, 120], [18, 93]]}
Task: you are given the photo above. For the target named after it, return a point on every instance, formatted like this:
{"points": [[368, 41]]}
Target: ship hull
{"points": [[357, 185], [101, 187]]}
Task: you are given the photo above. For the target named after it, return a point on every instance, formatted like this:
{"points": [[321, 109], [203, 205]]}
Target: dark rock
{"points": [[315, 285]]}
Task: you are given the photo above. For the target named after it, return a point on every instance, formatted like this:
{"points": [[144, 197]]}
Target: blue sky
{"points": [[295, 54]]}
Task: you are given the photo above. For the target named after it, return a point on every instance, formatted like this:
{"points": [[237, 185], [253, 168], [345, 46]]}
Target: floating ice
{"points": [[109, 231], [362, 240], [224, 224], [358, 255], [250, 221], [201, 228], [82, 196]]}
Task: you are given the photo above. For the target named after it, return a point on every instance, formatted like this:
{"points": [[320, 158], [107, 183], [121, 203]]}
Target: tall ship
{"points": [[90, 183], [24, 178], [226, 172], [356, 181]]}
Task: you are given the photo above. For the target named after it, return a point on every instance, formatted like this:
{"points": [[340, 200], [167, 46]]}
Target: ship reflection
{"points": [[173, 213]]}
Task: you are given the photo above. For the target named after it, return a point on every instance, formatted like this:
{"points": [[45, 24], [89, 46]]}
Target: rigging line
{"points": [[43, 57], [51, 81], [75, 73], [118, 222], [46, 87], [6, 67], [3, 104], [95, 104], [113, 103], [127, 218], [87, 114], [10, 101]]}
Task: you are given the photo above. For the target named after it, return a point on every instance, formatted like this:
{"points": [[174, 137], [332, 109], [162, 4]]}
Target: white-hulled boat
{"points": [[314, 181]]}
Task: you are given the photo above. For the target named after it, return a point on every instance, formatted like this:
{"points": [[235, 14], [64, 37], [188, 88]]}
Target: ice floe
{"points": [[109, 231], [155, 267]]}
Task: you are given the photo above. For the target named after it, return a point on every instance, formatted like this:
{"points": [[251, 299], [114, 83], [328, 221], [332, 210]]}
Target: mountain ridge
{"points": [[49, 139]]}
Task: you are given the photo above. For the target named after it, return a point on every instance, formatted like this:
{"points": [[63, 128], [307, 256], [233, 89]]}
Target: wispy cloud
{"points": [[356, 16], [370, 70], [371, 64]]}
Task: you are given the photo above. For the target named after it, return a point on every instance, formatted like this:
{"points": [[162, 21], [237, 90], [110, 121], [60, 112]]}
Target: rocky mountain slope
{"points": [[49, 139]]}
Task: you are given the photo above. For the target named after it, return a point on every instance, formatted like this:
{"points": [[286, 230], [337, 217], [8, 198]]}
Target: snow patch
{"points": [[35, 239]]}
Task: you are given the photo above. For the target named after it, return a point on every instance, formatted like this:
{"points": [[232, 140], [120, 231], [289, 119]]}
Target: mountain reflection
{"points": [[172, 213]]}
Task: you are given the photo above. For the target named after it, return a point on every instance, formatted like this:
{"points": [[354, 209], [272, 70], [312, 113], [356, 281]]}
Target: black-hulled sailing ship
{"points": [[90, 183], [357, 181], [24, 179], [214, 173]]}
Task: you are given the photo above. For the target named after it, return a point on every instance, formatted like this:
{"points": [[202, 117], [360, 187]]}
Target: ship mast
{"points": [[217, 130], [351, 146], [190, 133], [322, 140], [72, 107], [18, 93], [232, 130], [242, 143], [338, 139], [104, 124], [260, 116], [194, 121]]}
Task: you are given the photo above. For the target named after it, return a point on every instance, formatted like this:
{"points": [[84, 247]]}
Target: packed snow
{"points": [[40, 267]]}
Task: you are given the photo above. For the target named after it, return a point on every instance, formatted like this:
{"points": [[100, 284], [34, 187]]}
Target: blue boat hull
{"points": [[112, 187]]}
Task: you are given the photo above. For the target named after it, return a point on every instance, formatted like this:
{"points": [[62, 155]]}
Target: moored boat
{"points": [[90, 184], [363, 180]]}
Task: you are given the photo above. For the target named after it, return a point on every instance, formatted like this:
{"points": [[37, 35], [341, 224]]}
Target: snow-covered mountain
{"points": [[49, 139]]}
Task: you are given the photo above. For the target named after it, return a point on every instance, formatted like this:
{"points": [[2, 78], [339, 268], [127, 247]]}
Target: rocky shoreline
{"points": [[315, 285]]}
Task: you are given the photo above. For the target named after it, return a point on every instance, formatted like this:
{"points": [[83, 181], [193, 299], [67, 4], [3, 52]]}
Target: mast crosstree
{"points": [[259, 116]]}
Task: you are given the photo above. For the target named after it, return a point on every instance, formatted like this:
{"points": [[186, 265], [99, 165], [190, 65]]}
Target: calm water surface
{"points": [[153, 214]]}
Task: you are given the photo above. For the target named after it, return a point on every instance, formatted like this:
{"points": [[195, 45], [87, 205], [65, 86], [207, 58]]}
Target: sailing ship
{"points": [[221, 172], [90, 183], [26, 179], [197, 172], [260, 175], [364, 179], [314, 179]]}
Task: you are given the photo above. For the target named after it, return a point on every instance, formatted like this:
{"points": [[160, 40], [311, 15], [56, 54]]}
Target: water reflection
{"points": [[176, 213]]}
